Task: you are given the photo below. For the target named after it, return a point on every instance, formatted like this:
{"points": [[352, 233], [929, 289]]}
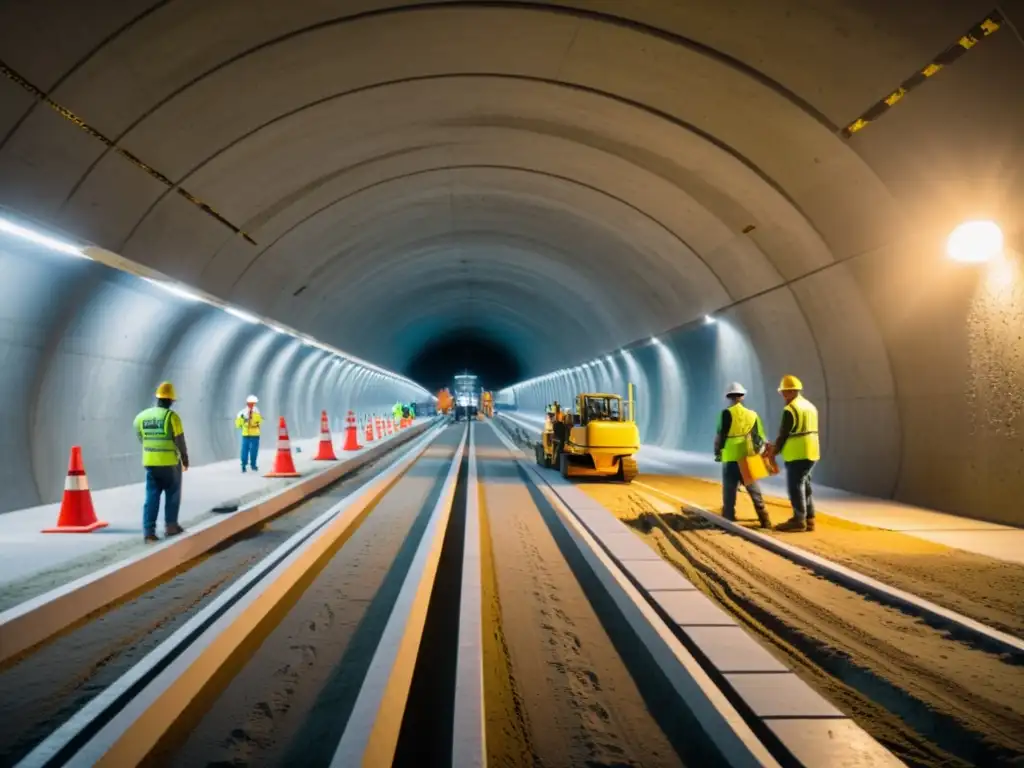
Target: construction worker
{"points": [[165, 457], [799, 446], [249, 420], [740, 434]]}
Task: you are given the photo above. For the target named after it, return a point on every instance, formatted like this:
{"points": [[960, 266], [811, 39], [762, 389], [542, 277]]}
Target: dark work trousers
{"points": [[731, 480], [166, 480], [798, 481], [250, 450]]}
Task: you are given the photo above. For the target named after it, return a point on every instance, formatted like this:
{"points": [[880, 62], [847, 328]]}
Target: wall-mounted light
{"points": [[709, 320], [16, 230], [241, 315], [975, 242]]}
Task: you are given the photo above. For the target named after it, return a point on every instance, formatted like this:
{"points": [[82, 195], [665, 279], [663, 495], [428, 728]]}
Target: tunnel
{"points": [[673, 195]]}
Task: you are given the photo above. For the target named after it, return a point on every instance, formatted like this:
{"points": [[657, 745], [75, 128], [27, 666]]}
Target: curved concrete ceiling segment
{"points": [[568, 177]]}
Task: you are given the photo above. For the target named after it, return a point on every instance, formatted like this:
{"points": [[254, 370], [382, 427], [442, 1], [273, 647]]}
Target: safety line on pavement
{"points": [[15, 77], [990, 24]]}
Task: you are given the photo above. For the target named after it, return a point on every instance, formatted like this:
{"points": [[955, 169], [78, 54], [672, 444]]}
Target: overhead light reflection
{"points": [[241, 315], [708, 320], [10, 228], [174, 289]]}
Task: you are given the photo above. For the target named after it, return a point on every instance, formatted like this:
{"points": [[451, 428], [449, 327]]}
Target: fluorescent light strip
{"points": [[241, 315], [10, 228], [174, 289]]}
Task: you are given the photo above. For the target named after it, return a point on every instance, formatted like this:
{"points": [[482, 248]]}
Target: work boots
{"points": [[174, 529], [764, 520], [794, 524]]}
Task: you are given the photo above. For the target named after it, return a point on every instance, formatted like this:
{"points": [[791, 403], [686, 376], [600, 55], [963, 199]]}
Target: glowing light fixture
{"points": [[174, 289], [241, 315], [10, 228], [709, 320], [975, 242]]}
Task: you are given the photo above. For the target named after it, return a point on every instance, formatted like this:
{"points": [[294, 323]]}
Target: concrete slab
{"points": [[731, 649], [26, 552], [625, 546], [600, 521], [775, 695], [692, 608], [832, 743], [1001, 542], [656, 574]]}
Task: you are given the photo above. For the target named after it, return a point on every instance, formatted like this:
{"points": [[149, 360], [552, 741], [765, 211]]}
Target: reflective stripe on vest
{"points": [[802, 442], [738, 443], [158, 449], [251, 421]]}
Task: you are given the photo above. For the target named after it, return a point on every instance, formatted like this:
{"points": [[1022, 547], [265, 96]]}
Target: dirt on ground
{"points": [[557, 692], [931, 699], [983, 588]]}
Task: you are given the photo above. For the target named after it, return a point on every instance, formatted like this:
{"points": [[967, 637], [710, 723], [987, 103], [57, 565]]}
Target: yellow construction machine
{"points": [[601, 442]]}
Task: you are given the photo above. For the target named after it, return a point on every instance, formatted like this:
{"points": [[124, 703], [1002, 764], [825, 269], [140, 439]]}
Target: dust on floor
{"points": [[932, 700], [986, 589], [573, 698]]}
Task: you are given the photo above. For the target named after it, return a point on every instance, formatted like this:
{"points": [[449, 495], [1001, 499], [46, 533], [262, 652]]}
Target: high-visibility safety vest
{"points": [[249, 422], [739, 441], [158, 428], [802, 442]]}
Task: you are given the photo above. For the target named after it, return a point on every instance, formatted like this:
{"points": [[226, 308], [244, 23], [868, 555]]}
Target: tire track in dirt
{"points": [[929, 698], [582, 706]]}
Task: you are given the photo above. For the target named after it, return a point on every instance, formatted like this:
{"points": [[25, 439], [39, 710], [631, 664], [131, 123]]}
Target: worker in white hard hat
{"points": [[249, 420], [740, 434]]}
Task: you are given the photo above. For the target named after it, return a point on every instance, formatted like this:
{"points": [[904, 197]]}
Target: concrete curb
{"points": [[852, 578], [371, 734], [34, 621]]}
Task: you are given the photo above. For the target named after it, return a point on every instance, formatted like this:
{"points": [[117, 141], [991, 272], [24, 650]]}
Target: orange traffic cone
{"points": [[326, 450], [391, 426], [369, 429], [284, 466], [76, 511], [351, 440], [379, 426]]}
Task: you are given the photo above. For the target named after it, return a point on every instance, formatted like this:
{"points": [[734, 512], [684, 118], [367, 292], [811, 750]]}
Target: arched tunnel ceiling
{"points": [[567, 176]]}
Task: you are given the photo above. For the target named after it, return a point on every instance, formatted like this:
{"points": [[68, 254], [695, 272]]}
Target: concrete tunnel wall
{"points": [[572, 177], [84, 346]]}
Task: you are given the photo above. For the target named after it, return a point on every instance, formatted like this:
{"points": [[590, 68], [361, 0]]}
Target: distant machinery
{"points": [[467, 396], [599, 440]]}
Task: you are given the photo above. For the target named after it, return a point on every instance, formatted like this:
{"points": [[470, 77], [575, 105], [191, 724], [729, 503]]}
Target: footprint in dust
{"points": [[587, 678], [600, 711], [312, 626], [262, 709], [238, 737], [308, 653]]}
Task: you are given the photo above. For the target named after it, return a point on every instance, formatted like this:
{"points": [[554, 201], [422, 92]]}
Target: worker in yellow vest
{"points": [[740, 434], [165, 457], [249, 420], [799, 446]]}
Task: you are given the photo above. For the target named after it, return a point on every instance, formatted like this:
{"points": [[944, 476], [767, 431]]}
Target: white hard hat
{"points": [[735, 389], [252, 399]]}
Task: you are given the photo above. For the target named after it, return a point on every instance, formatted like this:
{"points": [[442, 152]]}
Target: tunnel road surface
{"points": [[44, 688]]}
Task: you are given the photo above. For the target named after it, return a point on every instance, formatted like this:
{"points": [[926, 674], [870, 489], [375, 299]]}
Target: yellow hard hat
{"points": [[166, 391], [790, 383]]}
